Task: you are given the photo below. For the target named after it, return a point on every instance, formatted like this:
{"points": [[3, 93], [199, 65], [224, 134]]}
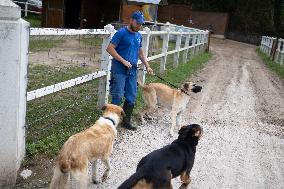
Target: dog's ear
{"points": [[123, 114], [186, 86], [104, 107], [196, 132], [183, 132]]}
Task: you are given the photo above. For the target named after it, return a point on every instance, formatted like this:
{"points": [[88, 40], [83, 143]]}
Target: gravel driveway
{"points": [[241, 109]]}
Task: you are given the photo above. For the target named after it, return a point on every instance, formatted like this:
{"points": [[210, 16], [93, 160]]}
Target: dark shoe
{"points": [[126, 123]]}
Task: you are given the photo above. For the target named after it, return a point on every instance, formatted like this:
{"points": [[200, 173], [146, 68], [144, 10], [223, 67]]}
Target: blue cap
{"points": [[139, 17]]}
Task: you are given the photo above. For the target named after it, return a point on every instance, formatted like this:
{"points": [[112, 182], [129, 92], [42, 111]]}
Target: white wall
{"points": [[14, 34]]}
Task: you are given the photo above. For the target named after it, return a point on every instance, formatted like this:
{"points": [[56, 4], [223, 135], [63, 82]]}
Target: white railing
{"points": [[25, 9], [198, 38], [266, 44], [270, 48], [279, 54]]}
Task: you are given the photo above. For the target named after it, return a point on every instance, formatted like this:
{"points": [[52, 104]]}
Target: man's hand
{"points": [[149, 70], [127, 64]]}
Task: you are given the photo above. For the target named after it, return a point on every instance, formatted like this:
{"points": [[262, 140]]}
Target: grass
{"points": [[64, 113], [277, 68], [175, 76], [47, 44], [92, 41], [42, 75], [34, 20], [43, 44], [53, 118]]}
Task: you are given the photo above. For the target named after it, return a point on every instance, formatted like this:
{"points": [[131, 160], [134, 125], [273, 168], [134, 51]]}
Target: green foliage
{"points": [[34, 20], [277, 68], [43, 44], [42, 75], [54, 118]]}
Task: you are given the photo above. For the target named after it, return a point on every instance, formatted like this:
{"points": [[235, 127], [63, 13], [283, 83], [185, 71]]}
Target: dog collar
{"points": [[110, 120]]}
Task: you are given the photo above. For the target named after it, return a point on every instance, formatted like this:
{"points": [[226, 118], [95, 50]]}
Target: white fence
{"points": [[266, 44], [198, 39], [25, 7], [274, 48], [279, 55]]}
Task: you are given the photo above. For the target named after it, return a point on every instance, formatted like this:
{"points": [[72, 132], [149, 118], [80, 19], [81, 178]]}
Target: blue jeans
{"points": [[123, 85]]}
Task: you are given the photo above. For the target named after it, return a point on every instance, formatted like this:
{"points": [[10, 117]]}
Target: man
{"points": [[125, 48]]}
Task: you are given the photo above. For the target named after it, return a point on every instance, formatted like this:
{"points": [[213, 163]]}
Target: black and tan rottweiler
{"points": [[156, 169]]}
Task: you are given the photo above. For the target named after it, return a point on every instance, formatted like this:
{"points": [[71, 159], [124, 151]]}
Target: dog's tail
{"points": [[131, 181], [59, 179], [65, 164]]}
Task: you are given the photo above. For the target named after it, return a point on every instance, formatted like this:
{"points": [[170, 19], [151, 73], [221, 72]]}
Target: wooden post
{"points": [[281, 52], [207, 40], [103, 92], [186, 45], [26, 9], [194, 41], [274, 47], [178, 43], [145, 47], [261, 43], [166, 39]]}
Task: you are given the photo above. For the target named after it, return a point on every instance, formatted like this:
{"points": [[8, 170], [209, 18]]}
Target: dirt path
{"points": [[241, 109]]}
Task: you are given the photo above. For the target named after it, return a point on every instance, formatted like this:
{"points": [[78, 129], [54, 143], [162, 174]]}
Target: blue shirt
{"points": [[127, 46]]}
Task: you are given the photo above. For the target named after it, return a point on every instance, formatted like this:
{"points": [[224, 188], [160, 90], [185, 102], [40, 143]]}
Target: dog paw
{"points": [[95, 181], [149, 118], [182, 187], [143, 121], [104, 177]]}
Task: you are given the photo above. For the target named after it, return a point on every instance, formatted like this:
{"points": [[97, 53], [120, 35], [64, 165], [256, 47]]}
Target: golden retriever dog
{"points": [[174, 99], [89, 145]]}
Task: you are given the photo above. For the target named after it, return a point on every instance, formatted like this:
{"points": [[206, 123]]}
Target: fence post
{"points": [[208, 40], [145, 47], [186, 45], [105, 66], [166, 39], [281, 52], [178, 43], [199, 43], [267, 46], [26, 9], [274, 47], [202, 41], [14, 39], [195, 44], [277, 51], [262, 44]]}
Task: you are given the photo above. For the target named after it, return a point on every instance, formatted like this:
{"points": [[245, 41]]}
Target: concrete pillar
{"points": [[14, 37]]}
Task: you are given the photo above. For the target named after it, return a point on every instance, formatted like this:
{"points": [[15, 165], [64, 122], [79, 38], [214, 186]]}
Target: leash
{"points": [[161, 78]]}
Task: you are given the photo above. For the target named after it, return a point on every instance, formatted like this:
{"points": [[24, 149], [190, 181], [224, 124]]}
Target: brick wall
{"points": [[217, 21]]}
